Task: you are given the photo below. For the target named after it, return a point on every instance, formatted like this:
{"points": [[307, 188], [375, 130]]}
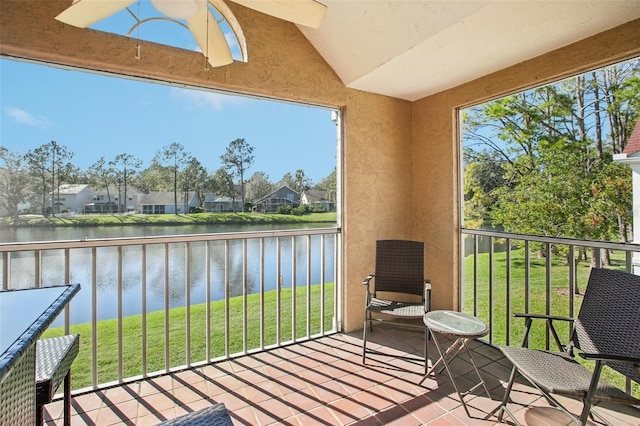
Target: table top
{"points": [[457, 324], [24, 315]]}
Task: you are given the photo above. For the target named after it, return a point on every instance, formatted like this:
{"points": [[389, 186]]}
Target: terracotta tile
{"points": [[110, 415], [159, 402], [423, 409], [53, 411], [274, 408], [262, 390], [244, 416], [324, 382], [85, 418], [232, 400], [299, 402], [211, 371], [347, 410], [148, 420], [86, 402], [318, 416], [329, 391], [117, 395], [185, 394], [187, 377]]}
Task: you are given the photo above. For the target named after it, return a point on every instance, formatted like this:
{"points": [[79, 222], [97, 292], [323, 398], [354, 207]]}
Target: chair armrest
{"points": [[427, 295], [549, 319], [544, 317], [609, 357], [367, 280]]}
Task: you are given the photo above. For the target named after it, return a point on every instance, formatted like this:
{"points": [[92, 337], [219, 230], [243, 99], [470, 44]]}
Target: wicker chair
{"points": [[213, 415], [399, 276], [607, 331]]}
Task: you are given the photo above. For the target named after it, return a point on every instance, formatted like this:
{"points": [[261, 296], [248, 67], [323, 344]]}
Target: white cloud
{"points": [[21, 116], [212, 100]]}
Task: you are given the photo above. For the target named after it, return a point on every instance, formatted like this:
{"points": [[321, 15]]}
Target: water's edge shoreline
{"points": [[164, 220]]}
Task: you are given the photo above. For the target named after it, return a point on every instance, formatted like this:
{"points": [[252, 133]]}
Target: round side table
{"points": [[462, 328]]}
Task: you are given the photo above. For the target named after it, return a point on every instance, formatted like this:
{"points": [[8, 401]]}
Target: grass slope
{"points": [[277, 328]]}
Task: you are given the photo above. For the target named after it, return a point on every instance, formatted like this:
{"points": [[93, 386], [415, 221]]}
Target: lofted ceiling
{"points": [[412, 49]]}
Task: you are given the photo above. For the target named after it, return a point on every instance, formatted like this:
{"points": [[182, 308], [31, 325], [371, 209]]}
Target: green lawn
{"points": [[168, 219], [107, 333]]}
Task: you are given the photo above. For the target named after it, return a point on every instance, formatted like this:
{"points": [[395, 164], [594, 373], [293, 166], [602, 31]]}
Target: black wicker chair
{"points": [[606, 331], [399, 293]]}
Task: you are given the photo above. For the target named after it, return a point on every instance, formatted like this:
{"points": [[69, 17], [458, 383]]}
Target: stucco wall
{"points": [[437, 153]]}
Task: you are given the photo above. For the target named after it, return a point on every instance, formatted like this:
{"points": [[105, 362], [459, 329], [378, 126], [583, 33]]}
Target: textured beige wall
{"points": [[436, 153], [400, 160]]}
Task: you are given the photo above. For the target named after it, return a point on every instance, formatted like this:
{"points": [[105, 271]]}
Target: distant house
{"points": [[71, 198], [270, 203], [221, 204], [163, 203], [317, 198], [104, 201]]}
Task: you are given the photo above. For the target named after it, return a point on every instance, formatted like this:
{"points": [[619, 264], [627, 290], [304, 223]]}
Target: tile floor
{"points": [[323, 382]]}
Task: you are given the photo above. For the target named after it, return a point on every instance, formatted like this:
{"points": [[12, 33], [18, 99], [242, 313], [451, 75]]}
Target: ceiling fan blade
{"points": [[212, 41], [309, 13], [83, 13]]}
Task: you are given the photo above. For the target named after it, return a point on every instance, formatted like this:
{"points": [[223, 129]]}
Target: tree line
{"points": [[37, 176], [541, 161]]}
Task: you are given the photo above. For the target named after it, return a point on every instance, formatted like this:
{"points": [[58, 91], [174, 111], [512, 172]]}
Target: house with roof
{"points": [[317, 199], [221, 204], [107, 199], [164, 203], [71, 198], [631, 155], [270, 203]]}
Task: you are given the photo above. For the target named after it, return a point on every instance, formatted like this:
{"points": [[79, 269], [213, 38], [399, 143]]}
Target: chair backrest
{"points": [[400, 266], [609, 318]]}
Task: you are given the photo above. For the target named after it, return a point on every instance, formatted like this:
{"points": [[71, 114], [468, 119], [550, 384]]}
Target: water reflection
{"points": [[172, 270]]}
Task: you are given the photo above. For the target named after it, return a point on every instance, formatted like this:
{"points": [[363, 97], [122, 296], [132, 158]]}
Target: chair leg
{"points": [[507, 392], [426, 350], [364, 339], [40, 415], [586, 408], [67, 399]]}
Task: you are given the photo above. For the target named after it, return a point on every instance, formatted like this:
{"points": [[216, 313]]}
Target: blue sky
{"points": [[96, 115]]}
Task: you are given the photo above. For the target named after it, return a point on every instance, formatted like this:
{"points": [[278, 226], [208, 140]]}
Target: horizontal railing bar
{"points": [[554, 240], [168, 239]]}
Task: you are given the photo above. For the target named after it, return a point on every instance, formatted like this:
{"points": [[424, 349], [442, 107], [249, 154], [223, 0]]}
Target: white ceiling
{"points": [[412, 49]]}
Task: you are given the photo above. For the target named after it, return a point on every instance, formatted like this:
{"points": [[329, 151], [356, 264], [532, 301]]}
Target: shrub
{"points": [[317, 208], [300, 210], [285, 210]]}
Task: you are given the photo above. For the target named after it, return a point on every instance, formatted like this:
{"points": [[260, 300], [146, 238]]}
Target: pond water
{"points": [[155, 265]]}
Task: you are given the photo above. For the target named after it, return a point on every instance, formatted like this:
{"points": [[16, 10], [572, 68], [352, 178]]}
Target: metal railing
{"points": [[153, 305], [506, 273]]}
